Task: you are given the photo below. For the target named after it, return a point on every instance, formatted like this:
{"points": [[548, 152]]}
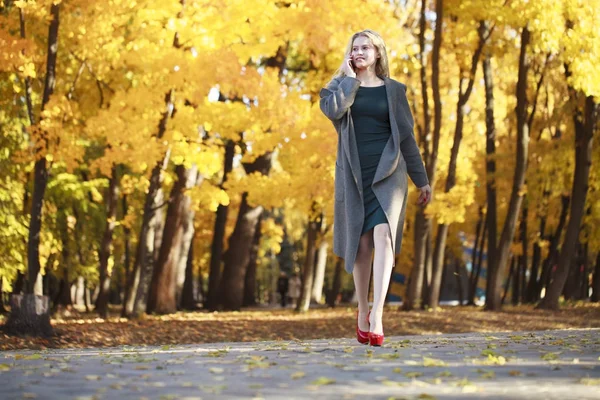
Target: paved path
{"points": [[561, 364]]}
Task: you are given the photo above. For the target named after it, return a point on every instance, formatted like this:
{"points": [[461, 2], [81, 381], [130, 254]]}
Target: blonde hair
{"points": [[382, 68]]}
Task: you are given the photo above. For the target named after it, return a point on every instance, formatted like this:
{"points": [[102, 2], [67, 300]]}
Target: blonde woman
{"points": [[376, 150]]}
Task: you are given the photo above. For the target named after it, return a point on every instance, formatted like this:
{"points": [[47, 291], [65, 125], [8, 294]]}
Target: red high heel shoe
{"points": [[361, 336], [375, 339]]}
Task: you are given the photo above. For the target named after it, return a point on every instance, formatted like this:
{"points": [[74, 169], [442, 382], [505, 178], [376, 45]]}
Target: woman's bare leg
{"points": [[361, 274], [383, 263]]}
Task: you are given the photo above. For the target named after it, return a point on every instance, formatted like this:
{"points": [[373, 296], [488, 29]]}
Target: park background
{"points": [[160, 156]]}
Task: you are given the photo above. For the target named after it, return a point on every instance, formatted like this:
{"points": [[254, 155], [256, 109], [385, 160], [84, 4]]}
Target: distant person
{"points": [[376, 149], [295, 288], [282, 288]]}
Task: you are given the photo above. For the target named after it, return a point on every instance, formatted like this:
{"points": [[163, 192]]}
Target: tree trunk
{"points": [[422, 224], [188, 301], [574, 279], [29, 314], [250, 278], [478, 237], [459, 285], [584, 131], [508, 280], [337, 282], [428, 270], [112, 197], [143, 264], [584, 282], [414, 291], [477, 266], [19, 284], [237, 257], [463, 98], [438, 265], [532, 292], [216, 254], [162, 297], [135, 303], [25, 317], [40, 179], [317, 290], [188, 235], [493, 301], [596, 281], [308, 272], [86, 296], [491, 218], [2, 306], [201, 291], [127, 244], [523, 259], [63, 296], [553, 249], [516, 280]]}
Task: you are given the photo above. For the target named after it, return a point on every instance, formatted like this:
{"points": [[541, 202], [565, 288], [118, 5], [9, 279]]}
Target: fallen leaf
{"points": [[322, 381], [298, 375]]}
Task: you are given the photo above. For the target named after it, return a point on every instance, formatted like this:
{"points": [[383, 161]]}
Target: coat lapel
{"points": [[391, 152], [351, 149]]}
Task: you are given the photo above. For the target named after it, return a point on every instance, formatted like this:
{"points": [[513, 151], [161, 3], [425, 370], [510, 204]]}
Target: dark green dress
{"points": [[370, 115]]}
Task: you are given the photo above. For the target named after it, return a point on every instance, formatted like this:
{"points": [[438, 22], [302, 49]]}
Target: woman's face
{"points": [[363, 53]]}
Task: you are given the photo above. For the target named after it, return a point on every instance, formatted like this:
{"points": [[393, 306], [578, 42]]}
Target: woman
{"points": [[376, 149]]}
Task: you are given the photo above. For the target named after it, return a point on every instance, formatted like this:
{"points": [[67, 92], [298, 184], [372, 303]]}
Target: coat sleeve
{"points": [[410, 149], [338, 96]]}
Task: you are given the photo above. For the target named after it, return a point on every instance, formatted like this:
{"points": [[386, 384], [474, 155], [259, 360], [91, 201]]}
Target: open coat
{"points": [[400, 156]]}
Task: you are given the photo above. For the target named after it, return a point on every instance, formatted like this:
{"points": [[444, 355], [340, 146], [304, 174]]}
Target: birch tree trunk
{"points": [[319, 279]]}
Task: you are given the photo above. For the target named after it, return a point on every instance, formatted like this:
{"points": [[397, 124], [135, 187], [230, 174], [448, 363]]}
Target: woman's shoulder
{"points": [[397, 83]]}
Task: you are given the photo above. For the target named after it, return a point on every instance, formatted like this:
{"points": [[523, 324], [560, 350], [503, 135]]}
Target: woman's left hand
{"points": [[424, 195]]}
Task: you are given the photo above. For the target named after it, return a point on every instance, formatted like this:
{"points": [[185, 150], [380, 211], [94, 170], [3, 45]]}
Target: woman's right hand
{"points": [[347, 67]]}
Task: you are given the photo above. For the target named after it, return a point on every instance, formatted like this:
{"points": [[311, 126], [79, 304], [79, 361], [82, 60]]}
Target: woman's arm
{"points": [[408, 146], [338, 96]]}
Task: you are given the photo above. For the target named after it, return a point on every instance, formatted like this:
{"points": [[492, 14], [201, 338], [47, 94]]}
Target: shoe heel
{"points": [[361, 336], [375, 340]]}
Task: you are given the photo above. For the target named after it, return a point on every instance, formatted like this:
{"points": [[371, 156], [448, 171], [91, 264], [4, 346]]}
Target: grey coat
{"points": [[390, 184]]}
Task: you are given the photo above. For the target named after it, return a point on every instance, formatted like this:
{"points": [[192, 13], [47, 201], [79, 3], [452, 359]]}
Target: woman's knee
{"points": [[382, 234]]}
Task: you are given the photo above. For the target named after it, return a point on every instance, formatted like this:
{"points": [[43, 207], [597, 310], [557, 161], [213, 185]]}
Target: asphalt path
{"points": [[563, 364]]}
